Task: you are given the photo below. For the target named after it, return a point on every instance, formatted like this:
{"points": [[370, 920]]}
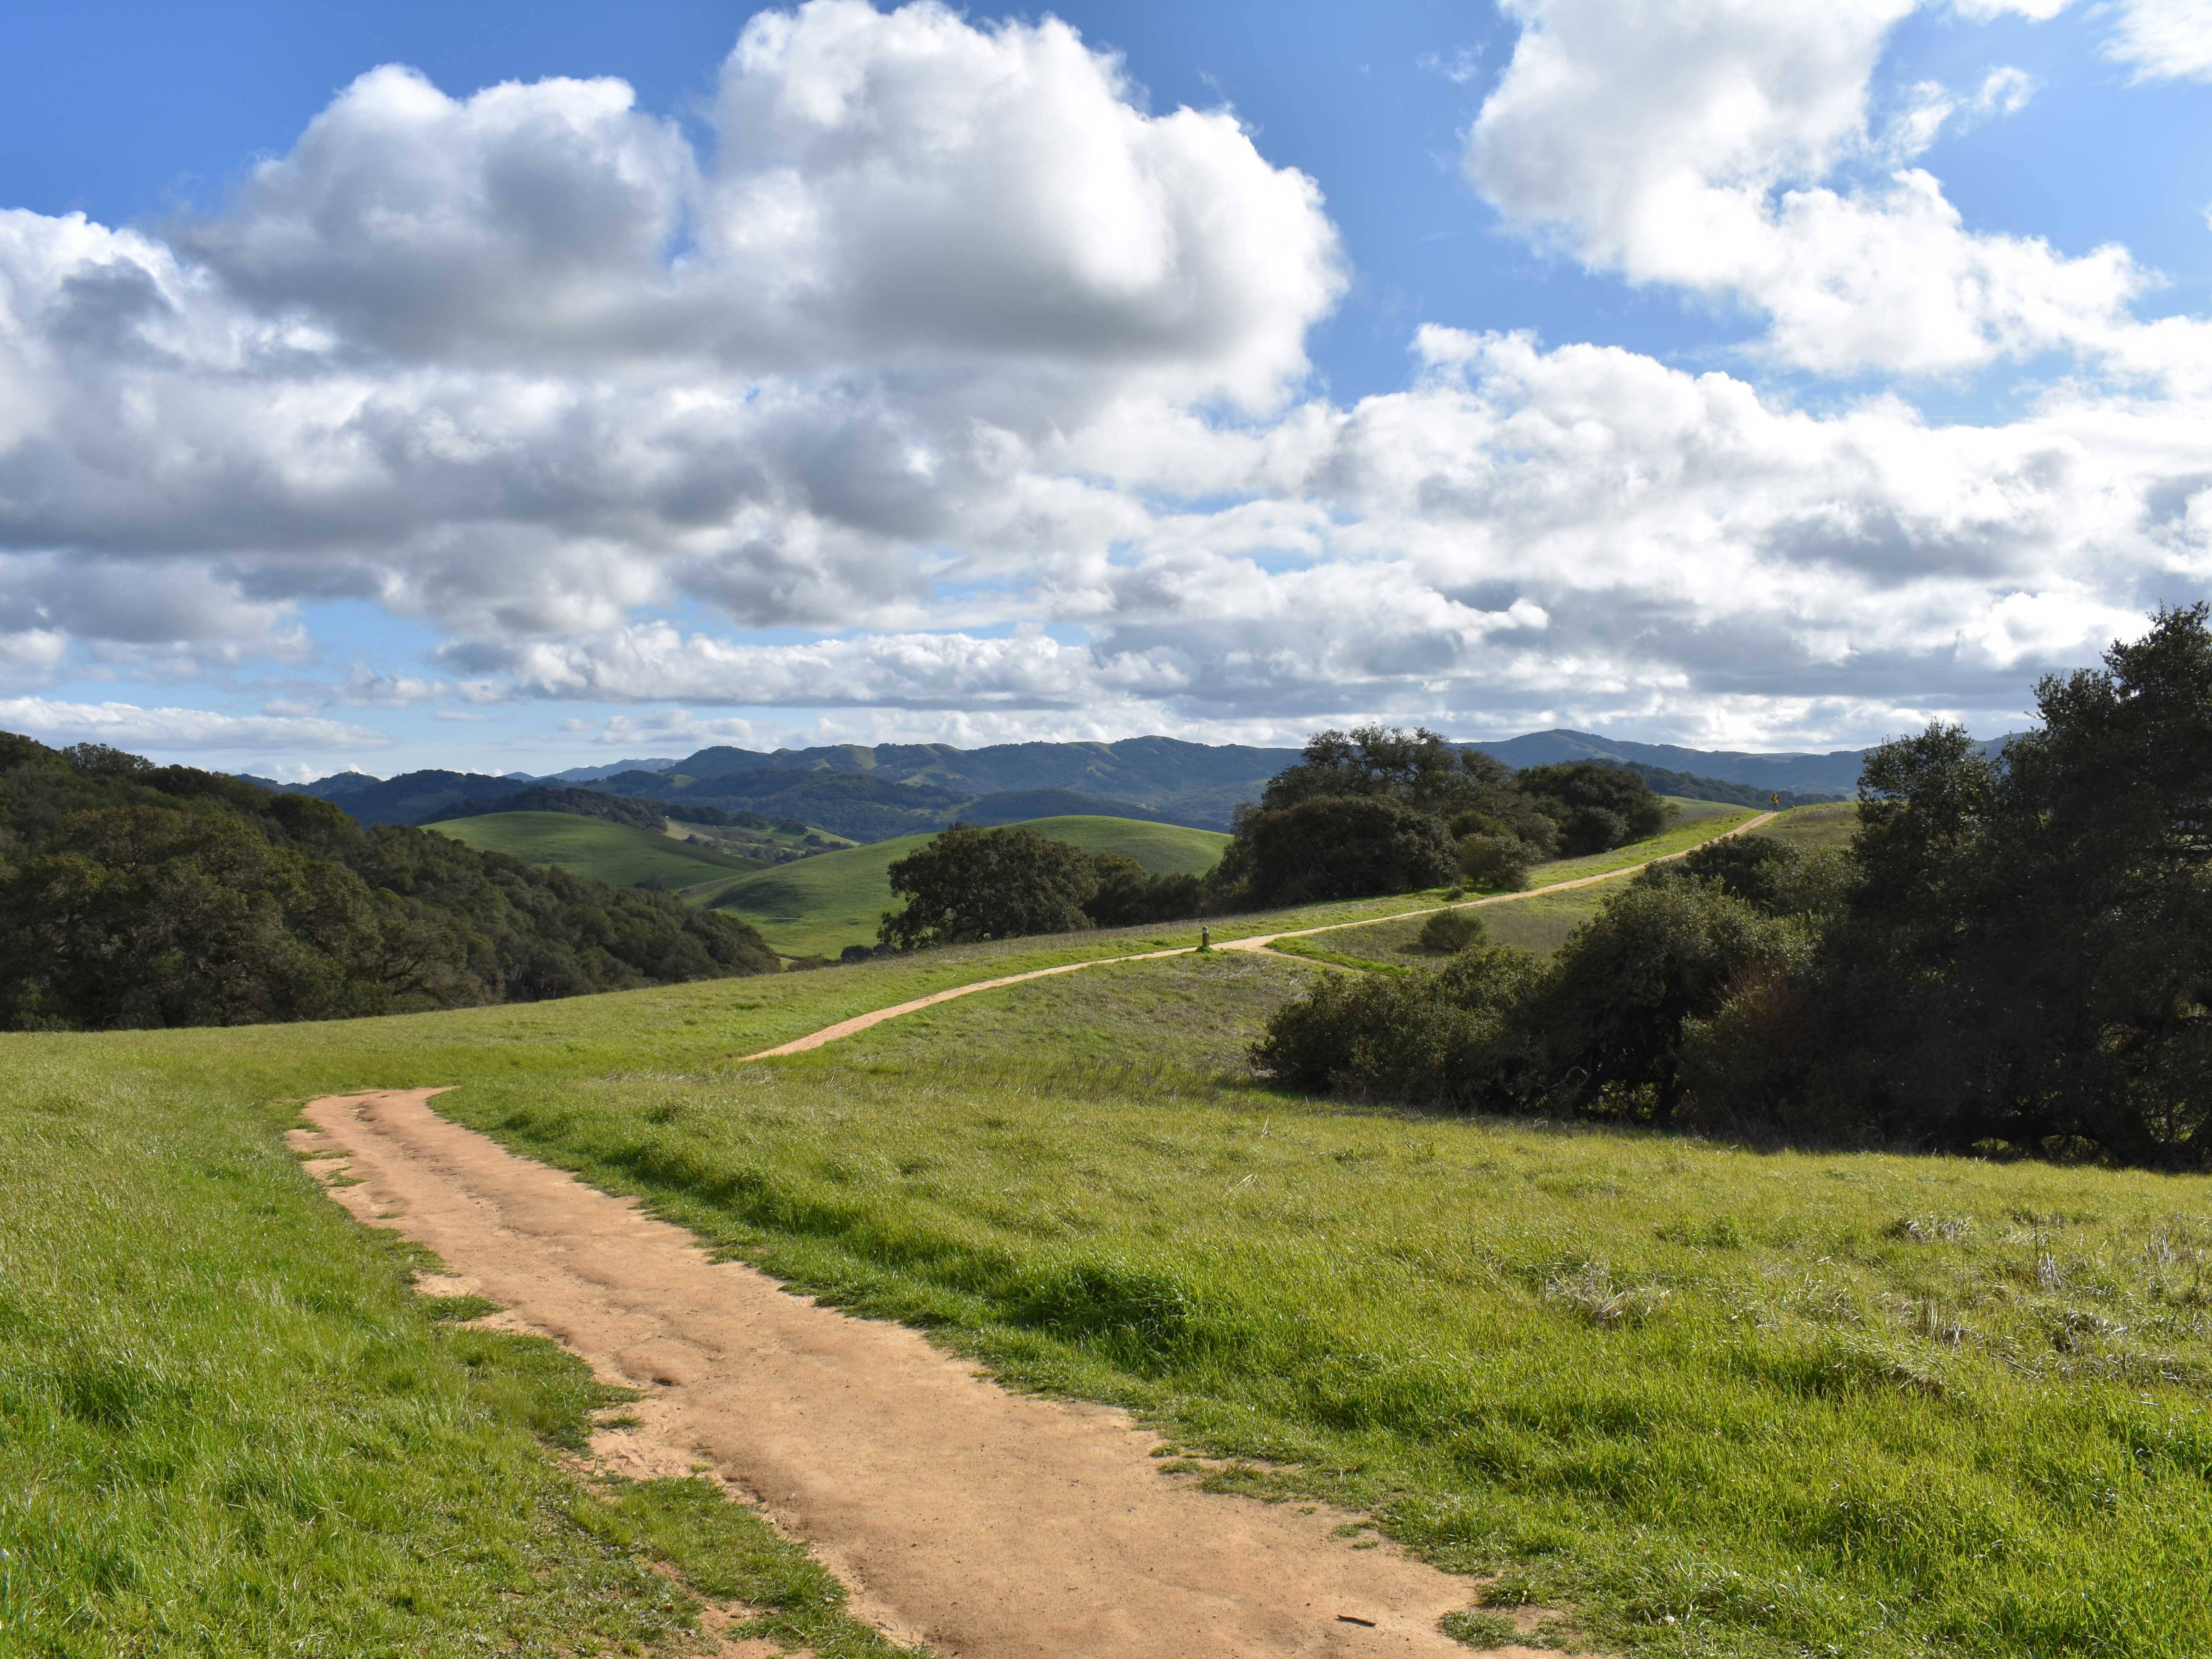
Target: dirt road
{"points": [[845, 1028], [986, 1524]]}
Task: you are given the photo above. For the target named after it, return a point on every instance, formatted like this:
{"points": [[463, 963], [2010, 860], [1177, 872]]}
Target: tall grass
{"points": [[229, 1426], [1720, 1402]]}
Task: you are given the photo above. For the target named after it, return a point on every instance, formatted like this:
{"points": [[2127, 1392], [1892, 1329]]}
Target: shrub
{"points": [[1128, 894], [1609, 1014], [1448, 1036], [1448, 931], [1597, 807], [1499, 863], [1334, 847]]}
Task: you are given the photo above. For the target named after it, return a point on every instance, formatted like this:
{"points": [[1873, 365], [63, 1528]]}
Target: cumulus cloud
{"points": [[2164, 39], [985, 204], [1691, 144], [127, 725], [953, 352], [521, 363]]}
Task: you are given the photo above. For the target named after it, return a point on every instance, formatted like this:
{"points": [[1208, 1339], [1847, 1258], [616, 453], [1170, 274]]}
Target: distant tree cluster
{"points": [[132, 895], [968, 884], [2013, 955], [1378, 809]]}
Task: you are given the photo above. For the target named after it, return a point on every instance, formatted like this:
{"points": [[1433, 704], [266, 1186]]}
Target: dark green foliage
{"points": [[2015, 955], [1451, 1035], [1769, 874], [1597, 807], [1378, 809], [1599, 1031], [1129, 894], [970, 884], [1450, 931], [1608, 1014], [1419, 768], [1500, 863], [138, 895], [1333, 847], [2025, 955]]}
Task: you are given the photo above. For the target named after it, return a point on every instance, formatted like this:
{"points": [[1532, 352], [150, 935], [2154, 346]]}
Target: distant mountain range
{"points": [[873, 792], [1835, 774]]}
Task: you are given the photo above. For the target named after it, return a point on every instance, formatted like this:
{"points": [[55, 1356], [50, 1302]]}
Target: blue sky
{"points": [[1752, 375]]}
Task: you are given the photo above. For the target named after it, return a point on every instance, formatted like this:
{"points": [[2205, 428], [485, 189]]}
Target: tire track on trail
{"points": [[983, 1523], [858, 1023]]}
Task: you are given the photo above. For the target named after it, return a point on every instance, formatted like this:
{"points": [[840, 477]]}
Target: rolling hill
{"points": [[818, 906], [620, 853]]}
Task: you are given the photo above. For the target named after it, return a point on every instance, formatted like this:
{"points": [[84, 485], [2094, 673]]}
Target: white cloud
{"points": [[2164, 39], [2004, 91], [127, 725], [1691, 144], [949, 341], [900, 189], [520, 365]]}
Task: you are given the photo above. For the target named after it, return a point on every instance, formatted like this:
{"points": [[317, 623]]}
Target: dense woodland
{"points": [[1382, 811], [2015, 954], [132, 895], [971, 884], [1376, 812]]}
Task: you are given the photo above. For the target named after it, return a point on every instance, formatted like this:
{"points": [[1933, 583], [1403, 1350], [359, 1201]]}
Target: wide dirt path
{"points": [[845, 1028], [986, 1524]]}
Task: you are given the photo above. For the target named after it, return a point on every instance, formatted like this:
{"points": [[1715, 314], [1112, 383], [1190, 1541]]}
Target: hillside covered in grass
{"points": [[623, 854], [1715, 1404], [818, 907], [132, 895]]}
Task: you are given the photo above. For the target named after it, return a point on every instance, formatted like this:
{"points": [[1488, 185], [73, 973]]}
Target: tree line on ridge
{"points": [[133, 894]]}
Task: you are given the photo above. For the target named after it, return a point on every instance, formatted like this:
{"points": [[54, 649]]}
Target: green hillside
{"points": [[616, 853], [819, 906]]}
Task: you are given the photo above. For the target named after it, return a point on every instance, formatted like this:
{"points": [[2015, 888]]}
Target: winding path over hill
{"points": [[845, 1028], [982, 1523]]}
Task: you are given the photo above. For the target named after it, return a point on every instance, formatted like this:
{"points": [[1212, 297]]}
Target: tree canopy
{"points": [[968, 885], [132, 895], [1379, 810], [2013, 955]]}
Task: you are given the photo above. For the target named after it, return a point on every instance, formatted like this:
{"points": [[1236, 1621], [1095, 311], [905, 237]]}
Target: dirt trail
{"points": [[845, 1028], [986, 1524]]}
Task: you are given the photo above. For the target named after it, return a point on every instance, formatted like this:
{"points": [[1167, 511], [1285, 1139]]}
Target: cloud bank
{"points": [[986, 387]]}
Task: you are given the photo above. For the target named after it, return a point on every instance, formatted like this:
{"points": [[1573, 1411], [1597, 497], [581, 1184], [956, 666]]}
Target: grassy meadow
{"points": [[620, 853], [819, 906], [1541, 923], [1716, 1402]]}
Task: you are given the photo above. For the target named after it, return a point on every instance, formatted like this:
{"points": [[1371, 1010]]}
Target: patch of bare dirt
{"points": [[985, 1524]]}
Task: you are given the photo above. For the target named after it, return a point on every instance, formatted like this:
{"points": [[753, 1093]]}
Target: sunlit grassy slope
{"points": [[1541, 922], [1721, 1403], [616, 853], [818, 907]]}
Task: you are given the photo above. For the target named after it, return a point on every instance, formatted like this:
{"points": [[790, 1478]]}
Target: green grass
{"points": [[1831, 824], [229, 1426], [616, 853], [818, 906], [1538, 922], [1690, 811], [1717, 1402]]}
